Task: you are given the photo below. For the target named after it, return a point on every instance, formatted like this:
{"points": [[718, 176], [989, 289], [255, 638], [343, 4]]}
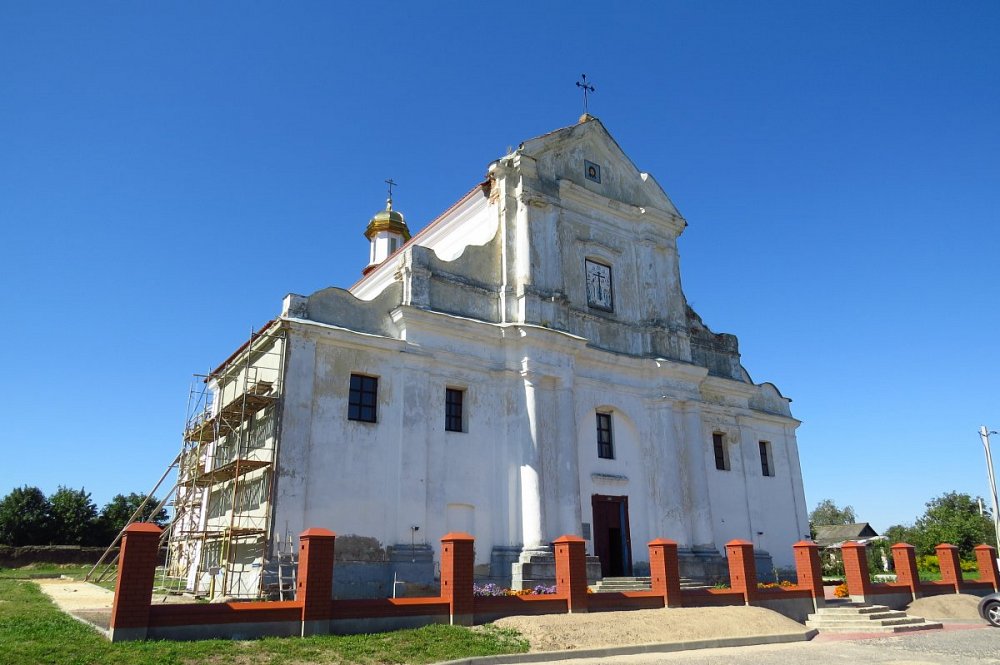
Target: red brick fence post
{"points": [[315, 580], [134, 586], [859, 582], [742, 569], [571, 572], [664, 571], [986, 557], [951, 566], [904, 558], [809, 570], [457, 569]]}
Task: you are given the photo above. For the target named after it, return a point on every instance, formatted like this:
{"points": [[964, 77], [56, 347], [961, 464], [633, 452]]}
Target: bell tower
{"points": [[386, 231]]}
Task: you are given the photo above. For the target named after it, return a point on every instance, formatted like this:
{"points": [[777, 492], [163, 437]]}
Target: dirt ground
{"points": [[71, 595], [607, 629], [954, 607]]}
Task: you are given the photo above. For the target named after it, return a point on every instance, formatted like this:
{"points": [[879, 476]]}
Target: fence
{"points": [[316, 612], [908, 586]]}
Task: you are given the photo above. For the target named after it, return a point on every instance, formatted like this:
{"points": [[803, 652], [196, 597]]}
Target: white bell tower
{"points": [[387, 231]]}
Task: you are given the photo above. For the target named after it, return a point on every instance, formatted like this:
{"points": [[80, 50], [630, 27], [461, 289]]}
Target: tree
{"points": [[826, 513], [899, 533], [74, 516], [24, 517], [117, 512], [953, 518]]}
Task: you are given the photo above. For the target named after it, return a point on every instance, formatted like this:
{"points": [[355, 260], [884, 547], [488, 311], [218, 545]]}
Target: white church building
{"points": [[526, 366]]}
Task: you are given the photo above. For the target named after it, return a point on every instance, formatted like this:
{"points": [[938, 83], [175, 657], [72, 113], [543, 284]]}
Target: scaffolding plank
{"points": [[229, 471], [224, 533], [234, 414]]}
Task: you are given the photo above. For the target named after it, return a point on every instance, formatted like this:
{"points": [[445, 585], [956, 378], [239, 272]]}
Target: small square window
{"points": [[766, 463], [605, 444], [363, 400], [721, 454], [454, 400]]}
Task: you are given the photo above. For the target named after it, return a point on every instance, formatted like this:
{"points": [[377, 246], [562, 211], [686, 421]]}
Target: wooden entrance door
{"points": [[612, 541]]}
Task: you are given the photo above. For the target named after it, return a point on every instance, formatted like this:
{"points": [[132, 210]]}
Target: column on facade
{"points": [[698, 504], [563, 438], [533, 523], [667, 515], [750, 468]]}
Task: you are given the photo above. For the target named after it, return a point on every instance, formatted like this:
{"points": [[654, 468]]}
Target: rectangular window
{"points": [[719, 445], [453, 399], [361, 405], [605, 445], [766, 464]]}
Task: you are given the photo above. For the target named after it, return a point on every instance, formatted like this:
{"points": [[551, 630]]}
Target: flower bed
{"points": [[493, 590]]}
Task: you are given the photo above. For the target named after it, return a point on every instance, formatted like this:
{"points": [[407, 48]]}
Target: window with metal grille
{"points": [[766, 466], [721, 458], [453, 398], [605, 445], [361, 404]]}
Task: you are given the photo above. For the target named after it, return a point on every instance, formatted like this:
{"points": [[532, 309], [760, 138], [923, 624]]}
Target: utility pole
{"points": [[984, 434]]}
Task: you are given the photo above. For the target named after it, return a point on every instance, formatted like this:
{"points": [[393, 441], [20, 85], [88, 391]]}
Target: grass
{"points": [[934, 576], [38, 570], [33, 630]]}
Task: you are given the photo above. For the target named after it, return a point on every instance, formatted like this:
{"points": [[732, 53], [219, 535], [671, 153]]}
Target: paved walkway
{"points": [[966, 644]]}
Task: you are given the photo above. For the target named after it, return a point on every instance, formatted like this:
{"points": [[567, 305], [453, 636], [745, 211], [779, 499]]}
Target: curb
{"points": [[631, 650]]}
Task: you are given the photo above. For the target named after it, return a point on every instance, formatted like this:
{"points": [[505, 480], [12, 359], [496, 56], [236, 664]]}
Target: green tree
{"points": [[116, 513], [74, 516], [953, 518], [899, 533], [24, 517], [827, 513]]}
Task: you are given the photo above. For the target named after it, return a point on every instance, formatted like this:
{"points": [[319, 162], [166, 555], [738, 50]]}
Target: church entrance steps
{"points": [[619, 584], [862, 618]]}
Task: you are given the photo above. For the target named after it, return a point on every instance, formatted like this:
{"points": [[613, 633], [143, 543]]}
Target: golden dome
{"points": [[388, 220]]}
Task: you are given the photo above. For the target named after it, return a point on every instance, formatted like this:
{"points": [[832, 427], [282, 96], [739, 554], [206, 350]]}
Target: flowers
{"points": [[494, 590]]}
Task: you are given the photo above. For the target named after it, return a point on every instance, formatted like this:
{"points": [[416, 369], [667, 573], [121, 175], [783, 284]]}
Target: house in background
{"points": [[526, 366], [838, 534]]}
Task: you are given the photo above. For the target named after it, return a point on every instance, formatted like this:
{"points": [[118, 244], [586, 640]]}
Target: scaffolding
{"points": [[217, 542]]}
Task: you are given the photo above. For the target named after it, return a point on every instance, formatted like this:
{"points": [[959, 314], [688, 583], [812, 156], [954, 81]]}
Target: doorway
{"points": [[612, 541]]}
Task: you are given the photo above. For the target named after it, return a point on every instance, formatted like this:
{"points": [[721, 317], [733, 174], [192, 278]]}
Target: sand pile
{"points": [[608, 629], [955, 607]]}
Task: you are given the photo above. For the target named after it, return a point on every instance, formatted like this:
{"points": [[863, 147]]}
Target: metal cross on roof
{"points": [[586, 89], [391, 184]]}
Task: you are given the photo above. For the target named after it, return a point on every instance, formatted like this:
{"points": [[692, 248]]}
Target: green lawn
{"points": [[33, 630], [35, 570]]}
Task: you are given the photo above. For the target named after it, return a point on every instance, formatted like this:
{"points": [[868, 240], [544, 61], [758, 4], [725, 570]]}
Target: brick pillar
{"points": [[664, 572], [742, 569], [809, 571], [457, 563], [951, 566], [134, 586], [859, 581], [315, 580], [986, 557], [571, 572], [904, 557]]}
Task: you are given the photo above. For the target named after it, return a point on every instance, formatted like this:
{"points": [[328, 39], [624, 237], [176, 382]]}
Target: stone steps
{"points": [[619, 584], [861, 618]]}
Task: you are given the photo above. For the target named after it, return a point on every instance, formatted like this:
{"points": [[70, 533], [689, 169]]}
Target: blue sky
{"points": [[169, 171]]}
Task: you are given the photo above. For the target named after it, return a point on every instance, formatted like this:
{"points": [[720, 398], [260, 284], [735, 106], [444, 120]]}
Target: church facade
{"points": [[524, 367]]}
